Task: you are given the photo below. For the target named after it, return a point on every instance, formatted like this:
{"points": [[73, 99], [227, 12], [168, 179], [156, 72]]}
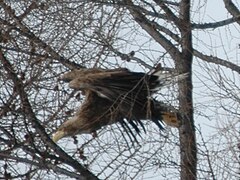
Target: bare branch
{"points": [[216, 24], [169, 13], [168, 32], [42, 165], [232, 9], [217, 60]]}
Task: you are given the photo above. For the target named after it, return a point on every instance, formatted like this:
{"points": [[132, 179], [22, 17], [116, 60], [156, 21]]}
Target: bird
{"points": [[118, 96]]}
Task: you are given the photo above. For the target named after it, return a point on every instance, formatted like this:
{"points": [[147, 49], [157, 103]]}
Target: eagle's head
{"points": [[66, 129], [73, 126], [58, 135], [69, 128]]}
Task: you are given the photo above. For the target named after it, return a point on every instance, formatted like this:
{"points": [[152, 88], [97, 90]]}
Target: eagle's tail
{"points": [[165, 113], [171, 119]]}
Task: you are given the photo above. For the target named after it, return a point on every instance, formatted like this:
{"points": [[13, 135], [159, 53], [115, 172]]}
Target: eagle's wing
{"points": [[117, 82], [111, 84]]}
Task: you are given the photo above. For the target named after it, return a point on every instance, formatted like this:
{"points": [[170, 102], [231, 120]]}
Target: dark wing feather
{"points": [[114, 84]]}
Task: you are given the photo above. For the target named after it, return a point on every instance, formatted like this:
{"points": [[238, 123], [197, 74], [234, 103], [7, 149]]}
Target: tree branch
{"points": [[168, 12], [232, 9], [165, 30], [217, 60], [216, 24], [42, 165]]}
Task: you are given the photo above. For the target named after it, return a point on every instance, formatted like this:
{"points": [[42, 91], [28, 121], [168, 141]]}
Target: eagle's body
{"points": [[113, 96]]}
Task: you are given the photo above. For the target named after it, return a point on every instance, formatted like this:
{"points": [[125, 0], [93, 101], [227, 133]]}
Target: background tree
{"points": [[41, 40]]}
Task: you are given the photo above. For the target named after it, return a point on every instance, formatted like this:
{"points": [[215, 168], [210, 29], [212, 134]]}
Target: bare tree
{"points": [[41, 40]]}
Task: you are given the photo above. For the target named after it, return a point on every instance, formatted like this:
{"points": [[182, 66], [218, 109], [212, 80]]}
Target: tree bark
{"points": [[188, 147]]}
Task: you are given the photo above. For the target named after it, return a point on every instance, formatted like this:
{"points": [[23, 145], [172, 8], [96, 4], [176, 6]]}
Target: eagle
{"points": [[118, 96]]}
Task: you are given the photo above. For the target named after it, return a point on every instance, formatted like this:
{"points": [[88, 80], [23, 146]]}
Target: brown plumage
{"points": [[117, 95]]}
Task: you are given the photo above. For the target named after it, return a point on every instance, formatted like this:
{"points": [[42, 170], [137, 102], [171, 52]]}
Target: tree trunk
{"points": [[188, 148]]}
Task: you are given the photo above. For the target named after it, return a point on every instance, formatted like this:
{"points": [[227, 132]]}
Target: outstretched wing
{"points": [[112, 84], [116, 82]]}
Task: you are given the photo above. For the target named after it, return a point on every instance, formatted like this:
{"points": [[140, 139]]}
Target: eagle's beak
{"points": [[58, 135]]}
